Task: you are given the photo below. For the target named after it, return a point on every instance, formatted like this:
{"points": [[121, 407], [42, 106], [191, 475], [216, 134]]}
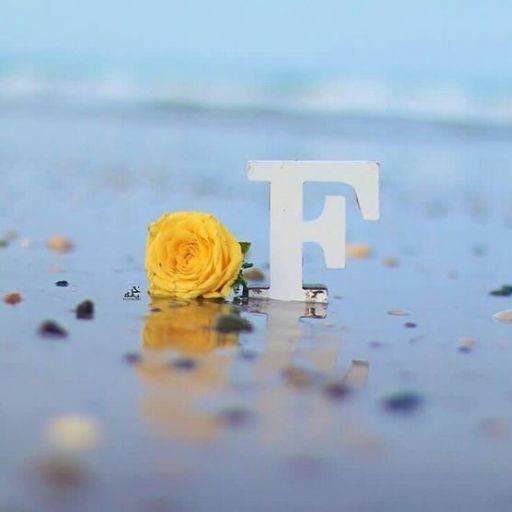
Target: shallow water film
{"points": [[394, 396]]}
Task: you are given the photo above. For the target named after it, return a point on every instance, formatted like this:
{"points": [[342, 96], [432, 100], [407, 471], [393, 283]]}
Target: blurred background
{"points": [[154, 105], [437, 60]]}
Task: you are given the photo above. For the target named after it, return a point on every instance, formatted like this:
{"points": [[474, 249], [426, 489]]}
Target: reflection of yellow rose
{"points": [[189, 255], [186, 327], [171, 401]]}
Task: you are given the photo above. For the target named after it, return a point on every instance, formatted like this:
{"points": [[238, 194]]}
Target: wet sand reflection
{"points": [[287, 382], [186, 327], [175, 393]]}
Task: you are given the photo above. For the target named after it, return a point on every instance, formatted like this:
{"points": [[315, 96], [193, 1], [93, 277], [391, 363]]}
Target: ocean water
{"points": [[94, 82]]}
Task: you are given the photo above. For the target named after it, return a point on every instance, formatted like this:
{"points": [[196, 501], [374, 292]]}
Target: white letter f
{"points": [[288, 230]]}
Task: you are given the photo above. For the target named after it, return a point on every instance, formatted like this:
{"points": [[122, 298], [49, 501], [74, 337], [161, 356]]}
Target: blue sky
{"points": [[459, 38]]}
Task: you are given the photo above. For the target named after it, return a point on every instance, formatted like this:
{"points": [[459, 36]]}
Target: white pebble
{"points": [[504, 316], [73, 432]]}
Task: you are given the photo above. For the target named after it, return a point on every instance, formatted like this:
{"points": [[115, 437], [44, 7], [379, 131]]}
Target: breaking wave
{"points": [[436, 102]]}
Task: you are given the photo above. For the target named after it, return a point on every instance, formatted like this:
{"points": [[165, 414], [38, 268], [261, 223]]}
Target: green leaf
{"points": [[245, 246]]}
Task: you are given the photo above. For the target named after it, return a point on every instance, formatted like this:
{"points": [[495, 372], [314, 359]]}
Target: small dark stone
{"points": [[61, 283], [132, 358], [155, 310], [504, 291], [337, 389], [410, 325], [184, 363], [61, 473], [236, 416], [232, 323], [85, 310], [402, 402], [248, 354], [52, 329]]}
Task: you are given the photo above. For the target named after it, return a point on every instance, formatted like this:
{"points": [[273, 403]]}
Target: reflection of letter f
{"points": [[288, 230]]}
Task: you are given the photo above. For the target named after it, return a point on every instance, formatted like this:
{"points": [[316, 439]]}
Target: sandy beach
{"points": [[400, 385]]}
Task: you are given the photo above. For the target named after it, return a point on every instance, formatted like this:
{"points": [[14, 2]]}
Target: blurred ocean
{"points": [[88, 82]]}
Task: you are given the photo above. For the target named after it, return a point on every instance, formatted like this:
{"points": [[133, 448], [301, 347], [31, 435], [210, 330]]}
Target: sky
{"points": [[450, 38]]}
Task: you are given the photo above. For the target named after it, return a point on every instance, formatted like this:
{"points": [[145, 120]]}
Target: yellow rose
{"points": [[191, 254], [186, 327]]}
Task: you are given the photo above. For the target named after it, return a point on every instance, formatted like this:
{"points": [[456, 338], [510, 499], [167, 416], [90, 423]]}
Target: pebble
{"points": [[504, 316], [232, 323], [236, 415], [12, 298], [73, 433], [410, 325], [398, 312], [132, 358], [184, 363], [248, 354], [504, 291], [61, 472], [254, 274], [337, 389], [61, 283], [402, 402], [85, 310], [391, 262], [358, 251], [466, 344], [51, 329], [60, 244]]}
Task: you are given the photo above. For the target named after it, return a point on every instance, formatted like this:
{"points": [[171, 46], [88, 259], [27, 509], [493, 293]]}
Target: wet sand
{"points": [[356, 409]]}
